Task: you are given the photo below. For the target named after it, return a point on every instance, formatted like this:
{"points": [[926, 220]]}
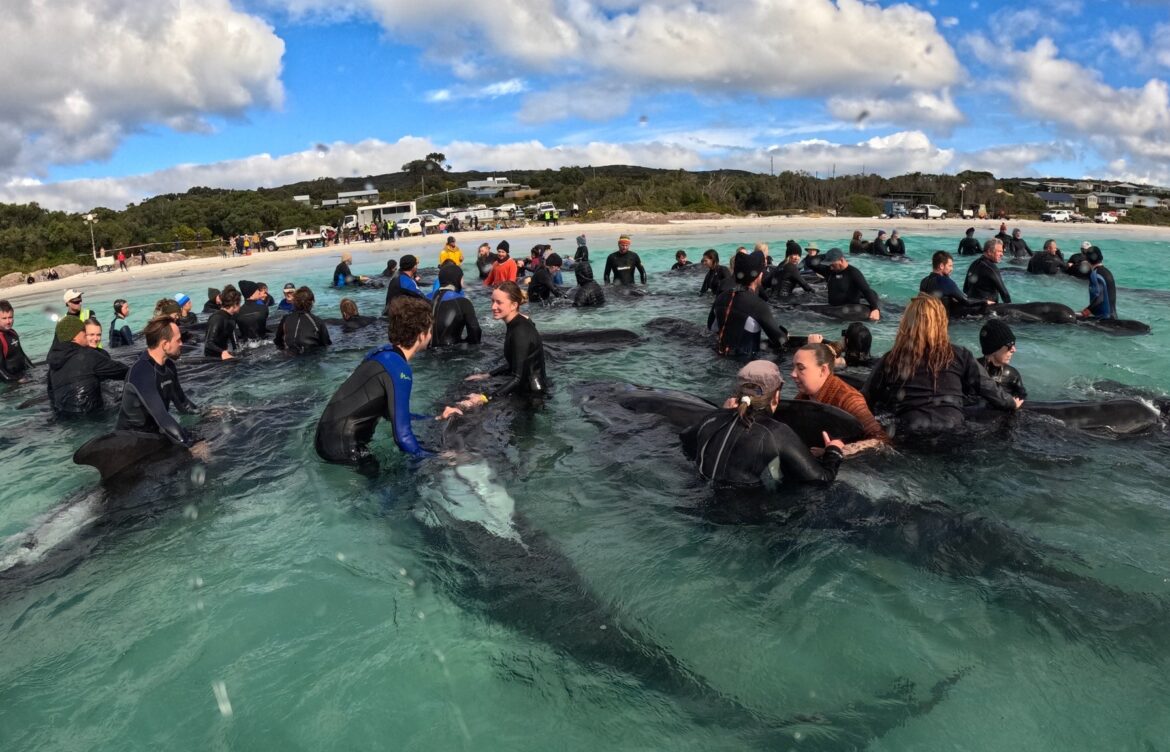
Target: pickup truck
{"points": [[928, 211], [1057, 215], [1108, 218], [414, 225], [292, 238]]}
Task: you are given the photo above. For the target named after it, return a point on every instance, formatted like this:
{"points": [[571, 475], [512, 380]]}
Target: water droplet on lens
{"points": [[603, 627], [340, 556], [191, 512], [421, 615], [401, 572], [219, 689], [196, 582], [199, 474]]}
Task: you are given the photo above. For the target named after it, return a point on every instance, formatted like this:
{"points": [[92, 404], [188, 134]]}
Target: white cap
{"points": [[1086, 245], [72, 294]]}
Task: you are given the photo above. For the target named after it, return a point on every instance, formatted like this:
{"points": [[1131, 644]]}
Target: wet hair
{"points": [[166, 307], [303, 299], [93, 322], [680, 254], [230, 297], [1050, 241], [762, 248], [748, 401], [118, 305], [410, 318], [856, 344], [857, 234], [991, 243], [922, 340], [939, 258], [6, 307], [159, 331], [349, 308], [513, 291], [712, 254], [825, 354], [484, 245]]}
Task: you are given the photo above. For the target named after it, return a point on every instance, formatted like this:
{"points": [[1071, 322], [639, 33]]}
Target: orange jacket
{"points": [[837, 393], [503, 271]]}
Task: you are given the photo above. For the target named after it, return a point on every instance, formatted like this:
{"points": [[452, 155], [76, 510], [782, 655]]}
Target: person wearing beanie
{"points": [[1017, 247], [252, 318], [76, 370], [543, 288], [783, 280], [582, 252], [969, 245], [878, 246], [622, 263], [856, 244], [455, 318], [1102, 289], [120, 333], [212, 304], [744, 446], [505, 269], [740, 317], [451, 252], [846, 285], [588, 293], [998, 343], [403, 283], [187, 317]]}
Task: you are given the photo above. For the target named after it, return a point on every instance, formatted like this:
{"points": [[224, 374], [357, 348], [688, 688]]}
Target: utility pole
{"points": [[89, 220], [772, 165]]}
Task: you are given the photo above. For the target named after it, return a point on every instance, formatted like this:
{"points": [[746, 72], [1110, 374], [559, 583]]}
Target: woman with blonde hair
{"points": [[924, 378]]}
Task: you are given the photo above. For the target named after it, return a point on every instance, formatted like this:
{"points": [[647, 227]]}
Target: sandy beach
{"points": [[602, 237]]}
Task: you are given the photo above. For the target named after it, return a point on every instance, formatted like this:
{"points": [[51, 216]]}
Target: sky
{"points": [[109, 102]]}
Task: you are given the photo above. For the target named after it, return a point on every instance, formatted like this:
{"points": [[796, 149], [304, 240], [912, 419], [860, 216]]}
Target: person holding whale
{"points": [[523, 352], [812, 370], [739, 316]]}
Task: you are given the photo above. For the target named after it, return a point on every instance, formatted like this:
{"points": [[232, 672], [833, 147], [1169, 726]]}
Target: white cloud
{"points": [[75, 78], [888, 155], [917, 108], [1012, 160], [595, 102], [494, 90]]}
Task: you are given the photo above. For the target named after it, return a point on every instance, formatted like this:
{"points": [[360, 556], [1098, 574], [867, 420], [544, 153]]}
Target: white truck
{"points": [[1057, 215], [1108, 218], [292, 238]]}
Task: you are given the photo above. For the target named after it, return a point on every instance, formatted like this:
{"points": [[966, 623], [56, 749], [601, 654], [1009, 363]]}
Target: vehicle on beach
{"points": [[1108, 218], [1057, 215], [414, 225], [928, 211], [292, 238]]}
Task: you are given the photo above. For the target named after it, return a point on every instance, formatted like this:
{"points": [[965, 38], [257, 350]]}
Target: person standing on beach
{"points": [[122, 261], [622, 263]]}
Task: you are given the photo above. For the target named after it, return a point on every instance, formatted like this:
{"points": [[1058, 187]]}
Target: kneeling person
{"points": [[300, 331]]}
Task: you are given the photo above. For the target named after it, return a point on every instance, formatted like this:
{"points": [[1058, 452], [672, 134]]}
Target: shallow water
{"points": [[319, 599]]}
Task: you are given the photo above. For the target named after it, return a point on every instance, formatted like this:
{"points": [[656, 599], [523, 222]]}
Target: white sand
{"points": [[602, 238]]}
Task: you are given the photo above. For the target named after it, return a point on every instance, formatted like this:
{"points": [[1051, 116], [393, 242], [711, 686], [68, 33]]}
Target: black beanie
{"points": [[792, 248], [970, 230], [248, 288], [503, 244], [994, 335], [554, 259], [212, 294], [1093, 255], [451, 274], [749, 266]]}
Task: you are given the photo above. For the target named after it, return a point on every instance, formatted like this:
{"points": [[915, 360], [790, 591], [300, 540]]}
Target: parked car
{"points": [[1108, 218], [928, 211], [1057, 215], [291, 238]]}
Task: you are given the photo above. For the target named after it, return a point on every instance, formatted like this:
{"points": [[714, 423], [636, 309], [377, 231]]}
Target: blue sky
{"points": [[160, 97]]}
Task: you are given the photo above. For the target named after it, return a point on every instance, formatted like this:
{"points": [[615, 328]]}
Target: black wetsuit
{"points": [[588, 292], [300, 332], [1004, 238], [378, 388], [738, 318], [848, 286], [621, 267], [484, 265], [680, 265], [717, 278], [523, 360], [947, 291], [542, 288], [401, 284], [1017, 248], [1077, 266], [120, 336], [455, 319], [75, 376], [252, 319], [858, 246], [221, 334], [926, 405], [878, 247], [1007, 377], [210, 307], [783, 281], [730, 453], [187, 321], [969, 246], [1045, 263], [150, 389], [896, 247], [984, 282], [13, 360]]}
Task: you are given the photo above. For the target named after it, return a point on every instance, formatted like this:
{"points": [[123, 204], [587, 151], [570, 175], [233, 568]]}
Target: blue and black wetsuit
{"points": [[150, 389], [13, 360], [120, 336], [378, 388], [1102, 294], [401, 284]]}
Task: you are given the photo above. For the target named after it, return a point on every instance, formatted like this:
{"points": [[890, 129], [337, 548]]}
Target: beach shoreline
{"points": [[602, 238]]}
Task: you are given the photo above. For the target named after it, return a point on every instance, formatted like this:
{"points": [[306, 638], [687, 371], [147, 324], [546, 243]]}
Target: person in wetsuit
{"points": [[76, 369], [301, 332], [783, 280], [1050, 261], [213, 302], [287, 303], [484, 260], [924, 379], [220, 339], [588, 292], [351, 320], [120, 333], [1017, 247], [846, 284], [379, 388], [1102, 289], [969, 245], [857, 245], [983, 280], [680, 261], [717, 276], [812, 370], [14, 363], [252, 317], [455, 320], [1002, 236], [542, 288], [740, 316], [343, 277], [998, 343], [939, 284], [152, 386], [404, 283], [622, 263], [523, 351], [187, 317], [878, 246], [745, 446], [896, 246], [1077, 265]]}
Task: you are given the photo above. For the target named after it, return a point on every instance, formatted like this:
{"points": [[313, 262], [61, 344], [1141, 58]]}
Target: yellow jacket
{"points": [[451, 253]]}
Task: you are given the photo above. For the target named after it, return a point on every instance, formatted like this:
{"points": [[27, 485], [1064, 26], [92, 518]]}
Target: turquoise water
{"points": [[317, 598]]}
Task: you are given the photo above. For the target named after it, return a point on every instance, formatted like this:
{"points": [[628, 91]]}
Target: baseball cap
{"points": [[833, 254], [72, 294], [759, 378]]}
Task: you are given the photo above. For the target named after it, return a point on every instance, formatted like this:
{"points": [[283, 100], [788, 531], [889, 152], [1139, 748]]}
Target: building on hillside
{"points": [[334, 202], [1054, 200], [522, 192], [306, 200], [359, 197], [490, 187]]}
